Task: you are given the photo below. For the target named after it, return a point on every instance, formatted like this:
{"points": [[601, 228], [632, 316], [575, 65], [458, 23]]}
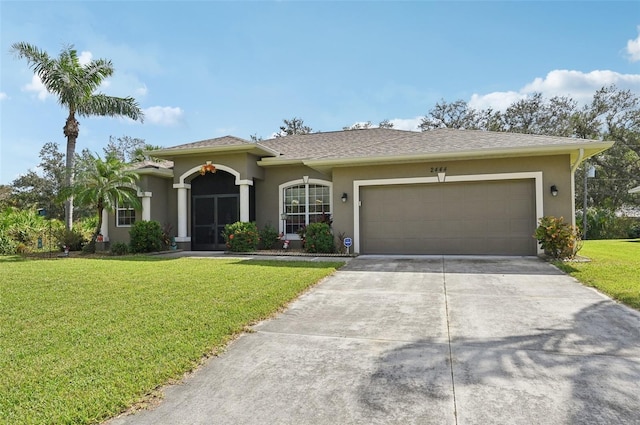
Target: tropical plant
{"points": [[558, 239], [269, 237], [75, 86], [241, 236], [104, 184], [146, 236], [318, 238]]}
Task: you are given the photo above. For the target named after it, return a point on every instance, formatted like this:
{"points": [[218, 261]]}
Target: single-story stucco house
{"points": [[391, 191]]}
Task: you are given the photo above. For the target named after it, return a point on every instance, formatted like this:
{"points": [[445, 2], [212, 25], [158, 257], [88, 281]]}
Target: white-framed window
{"points": [[303, 202], [125, 215]]}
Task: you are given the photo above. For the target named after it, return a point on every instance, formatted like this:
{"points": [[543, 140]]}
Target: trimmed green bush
{"points": [[241, 236], [318, 238], [146, 236], [73, 238], [558, 239], [268, 237], [119, 248]]}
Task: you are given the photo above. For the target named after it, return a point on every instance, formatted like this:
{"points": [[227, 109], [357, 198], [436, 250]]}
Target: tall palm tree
{"points": [[75, 86], [105, 184]]}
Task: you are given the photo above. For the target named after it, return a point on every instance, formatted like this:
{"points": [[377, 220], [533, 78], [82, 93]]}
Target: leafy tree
{"points": [[103, 184], [536, 115], [613, 114], [33, 190], [130, 149], [293, 126], [450, 115], [365, 125], [75, 86], [5, 196]]}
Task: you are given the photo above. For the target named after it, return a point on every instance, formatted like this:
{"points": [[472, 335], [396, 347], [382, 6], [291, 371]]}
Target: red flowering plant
{"points": [[241, 236]]}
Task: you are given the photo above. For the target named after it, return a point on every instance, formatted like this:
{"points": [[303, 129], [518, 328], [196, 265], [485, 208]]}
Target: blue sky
{"points": [[206, 69]]}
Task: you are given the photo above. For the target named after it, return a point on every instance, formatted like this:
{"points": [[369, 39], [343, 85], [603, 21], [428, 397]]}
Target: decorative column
{"points": [[104, 229], [146, 205], [182, 211], [244, 199]]}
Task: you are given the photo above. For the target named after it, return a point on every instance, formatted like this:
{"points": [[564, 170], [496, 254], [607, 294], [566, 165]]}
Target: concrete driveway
{"points": [[425, 340]]}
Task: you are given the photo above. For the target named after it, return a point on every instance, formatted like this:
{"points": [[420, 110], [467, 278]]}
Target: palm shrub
{"points": [[146, 236], [318, 238], [558, 239], [241, 236]]}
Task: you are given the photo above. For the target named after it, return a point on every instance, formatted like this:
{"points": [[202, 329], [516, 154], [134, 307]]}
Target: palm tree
{"points": [[105, 184], [75, 86]]}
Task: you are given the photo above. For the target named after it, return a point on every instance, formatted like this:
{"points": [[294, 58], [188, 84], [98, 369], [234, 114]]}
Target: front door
{"points": [[210, 214]]}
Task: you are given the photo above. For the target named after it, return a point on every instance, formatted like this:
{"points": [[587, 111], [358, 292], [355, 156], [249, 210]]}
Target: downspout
{"points": [[576, 164], [574, 167]]}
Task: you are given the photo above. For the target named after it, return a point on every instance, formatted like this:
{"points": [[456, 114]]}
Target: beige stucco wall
{"points": [[163, 206], [243, 163], [556, 171], [267, 193]]}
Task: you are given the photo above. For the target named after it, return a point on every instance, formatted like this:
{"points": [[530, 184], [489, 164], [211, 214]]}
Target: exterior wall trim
{"points": [[357, 184]]}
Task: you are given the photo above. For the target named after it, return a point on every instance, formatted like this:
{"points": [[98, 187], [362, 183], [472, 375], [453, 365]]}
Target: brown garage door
{"points": [[487, 218]]}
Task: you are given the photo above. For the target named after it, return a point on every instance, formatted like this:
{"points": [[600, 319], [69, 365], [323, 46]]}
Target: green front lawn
{"points": [[83, 339], [614, 269]]}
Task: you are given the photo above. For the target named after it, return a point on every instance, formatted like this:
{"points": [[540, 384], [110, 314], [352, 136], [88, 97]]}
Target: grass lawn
{"points": [[614, 269], [83, 339]]}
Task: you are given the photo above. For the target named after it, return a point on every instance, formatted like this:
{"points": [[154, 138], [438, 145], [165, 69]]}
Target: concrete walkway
{"points": [[425, 340]]}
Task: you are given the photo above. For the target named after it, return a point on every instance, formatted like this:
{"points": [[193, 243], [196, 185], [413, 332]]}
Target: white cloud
{"points": [[37, 87], [85, 58], [142, 90], [409, 124], [3, 95], [163, 115], [633, 48], [578, 85]]}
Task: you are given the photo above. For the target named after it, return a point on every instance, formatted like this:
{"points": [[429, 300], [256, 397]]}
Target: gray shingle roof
{"points": [[380, 142], [217, 142]]}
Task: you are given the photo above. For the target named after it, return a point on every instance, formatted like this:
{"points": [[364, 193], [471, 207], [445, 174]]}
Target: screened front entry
{"points": [[215, 202], [210, 214]]}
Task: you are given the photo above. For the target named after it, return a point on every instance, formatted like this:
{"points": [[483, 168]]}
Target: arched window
{"points": [[303, 203]]}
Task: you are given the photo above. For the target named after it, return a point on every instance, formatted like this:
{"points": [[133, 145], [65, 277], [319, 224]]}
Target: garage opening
{"points": [[462, 218]]}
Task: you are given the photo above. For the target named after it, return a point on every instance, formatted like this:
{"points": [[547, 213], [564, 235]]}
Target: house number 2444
{"points": [[438, 169]]}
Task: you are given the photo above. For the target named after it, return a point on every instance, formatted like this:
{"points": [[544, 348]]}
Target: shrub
{"points": [[146, 236], [558, 239], [241, 236], [318, 238], [268, 237], [119, 248], [7, 245], [603, 223], [73, 238]]}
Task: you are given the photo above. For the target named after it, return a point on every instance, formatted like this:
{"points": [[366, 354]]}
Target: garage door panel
{"points": [[495, 217]]}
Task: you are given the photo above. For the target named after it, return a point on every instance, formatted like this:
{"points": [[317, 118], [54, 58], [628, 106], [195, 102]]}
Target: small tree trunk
{"points": [[71, 130]]}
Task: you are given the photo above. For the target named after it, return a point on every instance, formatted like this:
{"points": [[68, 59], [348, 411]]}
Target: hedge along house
{"points": [[393, 192]]}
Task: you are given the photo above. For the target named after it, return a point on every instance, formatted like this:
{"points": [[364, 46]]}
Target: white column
{"points": [[146, 205], [182, 211], [104, 229], [244, 199]]}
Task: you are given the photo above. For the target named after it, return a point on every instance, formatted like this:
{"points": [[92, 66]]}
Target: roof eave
{"points": [[255, 148], [573, 150]]}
